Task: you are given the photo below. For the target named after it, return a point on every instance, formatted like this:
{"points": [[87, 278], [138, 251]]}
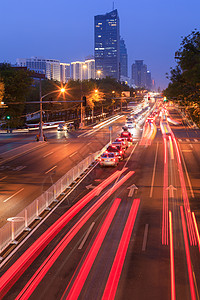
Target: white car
{"points": [[108, 159], [130, 124], [62, 127]]}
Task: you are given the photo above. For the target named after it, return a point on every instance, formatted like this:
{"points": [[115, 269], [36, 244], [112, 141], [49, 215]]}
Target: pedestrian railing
{"points": [[16, 225]]}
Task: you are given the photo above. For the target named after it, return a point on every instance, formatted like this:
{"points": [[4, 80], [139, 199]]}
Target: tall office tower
{"points": [[139, 74], [49, 67], [149, 81], [123, 59], [107, 45], [64, 72]]}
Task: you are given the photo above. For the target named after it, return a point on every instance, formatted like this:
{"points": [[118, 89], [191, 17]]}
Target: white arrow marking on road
{"points": [[132, 188], [171, 190], [90, 187]]}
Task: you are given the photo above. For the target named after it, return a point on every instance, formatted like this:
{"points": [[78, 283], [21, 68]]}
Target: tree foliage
{"points": [[184, 86], [17, 83]]}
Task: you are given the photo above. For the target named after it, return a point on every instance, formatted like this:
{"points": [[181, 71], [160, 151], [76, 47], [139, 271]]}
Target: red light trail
{"points": [[114, 276], [187, 251], [171, 242], [86, 267]]}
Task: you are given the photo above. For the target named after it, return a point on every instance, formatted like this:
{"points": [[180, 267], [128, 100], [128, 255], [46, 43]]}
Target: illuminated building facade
{"points": [[107, 45]]}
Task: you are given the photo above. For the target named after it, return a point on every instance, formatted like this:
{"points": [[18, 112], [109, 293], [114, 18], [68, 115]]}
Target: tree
{"points": [[17, 83], [184, 86]]}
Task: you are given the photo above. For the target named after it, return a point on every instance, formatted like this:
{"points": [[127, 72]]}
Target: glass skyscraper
{"points": [[123, 59], [107, 45]]}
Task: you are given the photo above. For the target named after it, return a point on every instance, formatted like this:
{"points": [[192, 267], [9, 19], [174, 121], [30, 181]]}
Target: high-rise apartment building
{"points": [[64, 72], [107, 45], [52, 68], [123, 59], [83, 70]]}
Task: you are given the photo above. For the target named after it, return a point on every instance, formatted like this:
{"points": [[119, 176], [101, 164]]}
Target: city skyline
{"points": [[152, 31]]}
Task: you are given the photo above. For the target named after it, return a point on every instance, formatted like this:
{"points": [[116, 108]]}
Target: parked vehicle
{"points": [[108, 159]]}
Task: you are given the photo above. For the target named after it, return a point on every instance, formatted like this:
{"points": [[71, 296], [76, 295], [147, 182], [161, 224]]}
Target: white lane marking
{"points": [[19, 168], [48, 154], [86, 236], [73, 154], [89, 143], [154, 170], [145, 237], [187, 150], [3, 178], [187, 140], [67, 144], [50, 170], [13, 195], [187, 175], [180, 140], [195, 140]]}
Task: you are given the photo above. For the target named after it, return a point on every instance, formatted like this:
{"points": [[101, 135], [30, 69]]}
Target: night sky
{"points": [[64, 30]]}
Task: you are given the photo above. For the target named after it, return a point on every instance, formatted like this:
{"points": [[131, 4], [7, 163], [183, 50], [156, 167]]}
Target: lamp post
{"points": [[41, 136], [84, 67]]}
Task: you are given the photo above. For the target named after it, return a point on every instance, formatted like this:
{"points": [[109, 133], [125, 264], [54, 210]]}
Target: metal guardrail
{"points": [[20, 223]]}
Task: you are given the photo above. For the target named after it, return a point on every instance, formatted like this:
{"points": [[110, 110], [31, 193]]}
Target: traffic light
{"points": [[84, 101], [8, 117], [165, 99]]}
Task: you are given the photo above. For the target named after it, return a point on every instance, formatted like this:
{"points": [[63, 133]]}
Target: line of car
{"points": [[116, 150]]}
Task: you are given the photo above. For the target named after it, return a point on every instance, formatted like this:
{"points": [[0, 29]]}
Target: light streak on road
{"points": [[187, 251], [171, 242], [196, 229], [13, 195], [165, 196], [19, 267], [115, 273], [190, 224], [171, 148], [80, 279], [49, 261], [154, 170]]}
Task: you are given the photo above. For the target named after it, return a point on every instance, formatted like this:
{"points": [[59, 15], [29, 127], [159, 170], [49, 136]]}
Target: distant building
{"points": [[50, 67], [107, 45], [148, 81], [123, 59], [64, 72], [140, 76], [83, 70]]}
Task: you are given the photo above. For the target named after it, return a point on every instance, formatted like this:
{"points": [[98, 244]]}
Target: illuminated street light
{"points": [[99, 74], [41, 136]]}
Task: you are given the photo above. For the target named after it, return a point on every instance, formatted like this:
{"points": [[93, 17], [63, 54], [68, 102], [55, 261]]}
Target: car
{"points": [[125, 142], [108, 159], [119, 142], [61, 127], [130, 124], [116, 149], [128, 136]]}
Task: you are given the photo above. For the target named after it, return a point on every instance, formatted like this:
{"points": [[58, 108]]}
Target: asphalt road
{"points": [[146, 270]]}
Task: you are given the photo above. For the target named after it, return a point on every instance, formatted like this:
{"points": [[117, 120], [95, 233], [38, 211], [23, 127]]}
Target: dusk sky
{"points": [[64, 30]]}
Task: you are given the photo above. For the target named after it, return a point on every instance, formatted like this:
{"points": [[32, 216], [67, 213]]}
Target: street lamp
{"points": [[41, 136], [99, 74]]}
